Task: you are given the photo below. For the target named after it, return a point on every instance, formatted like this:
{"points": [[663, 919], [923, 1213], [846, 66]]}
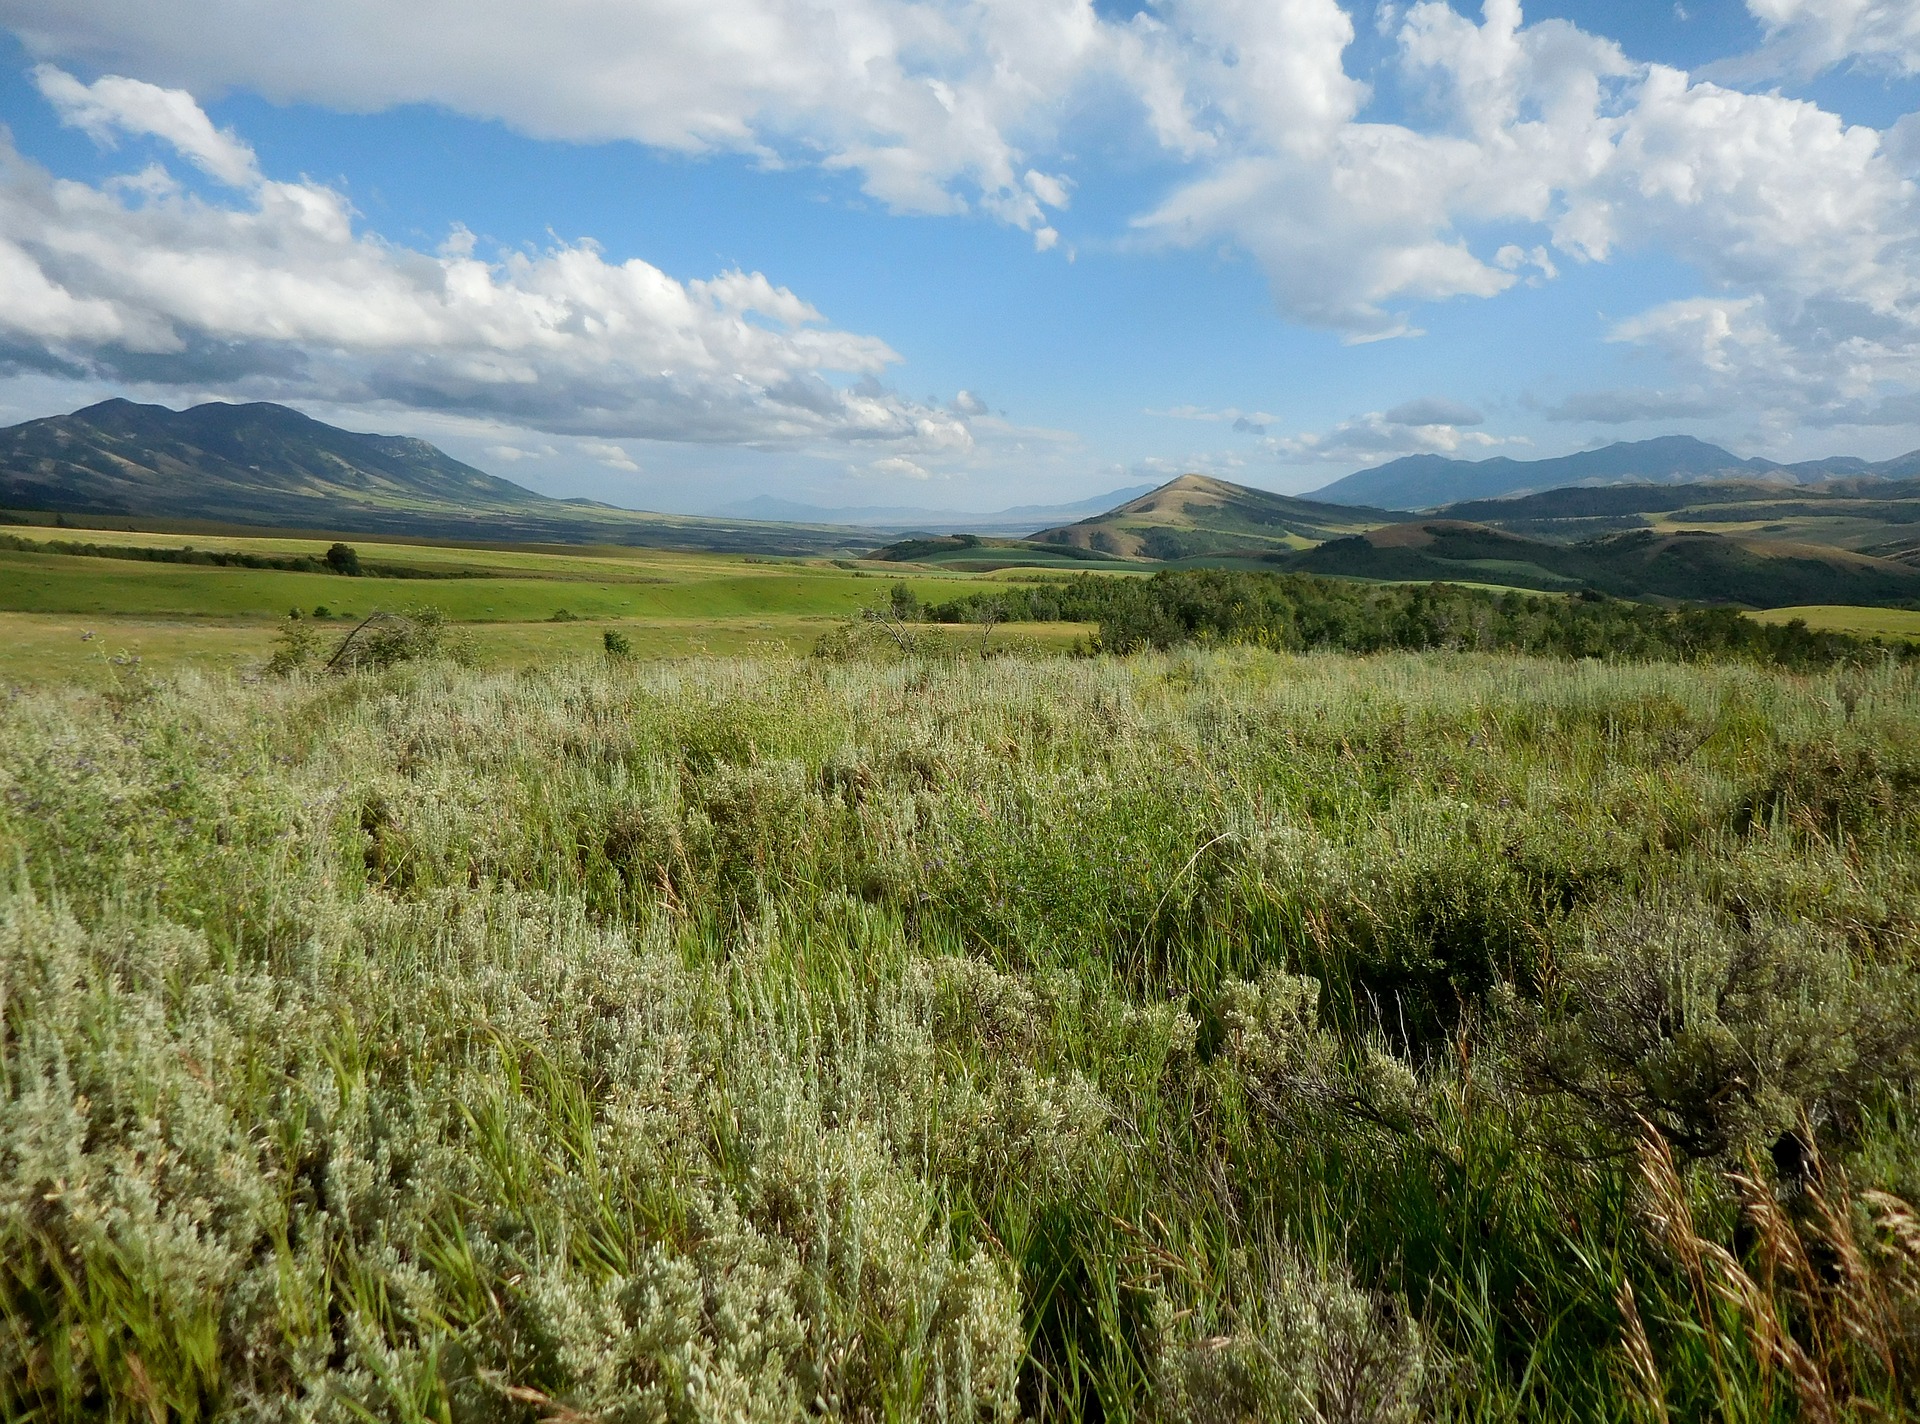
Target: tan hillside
{"points": [[1197, 516]]}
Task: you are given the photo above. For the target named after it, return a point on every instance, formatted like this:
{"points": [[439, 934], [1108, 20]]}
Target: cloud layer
{"points": [[275, 294], [929, 103], [1535, 147], [1806, 37]]}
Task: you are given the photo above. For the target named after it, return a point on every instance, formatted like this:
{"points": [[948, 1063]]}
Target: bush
{"points": [[1725, 1037], [386, 639], [296, 646], [1306, 1346], [1220, 1036]]}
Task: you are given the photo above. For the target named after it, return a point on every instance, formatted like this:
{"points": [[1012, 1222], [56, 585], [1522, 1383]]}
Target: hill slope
{"points": [[1197, 516], [1694, 566], [266, 465], [121, 458], [1199, 520], [1433, 481], [1872, 516]]}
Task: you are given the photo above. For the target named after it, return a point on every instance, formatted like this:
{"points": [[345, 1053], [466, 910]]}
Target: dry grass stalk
{"points": [[1644, 1382], [1671, 1216]]}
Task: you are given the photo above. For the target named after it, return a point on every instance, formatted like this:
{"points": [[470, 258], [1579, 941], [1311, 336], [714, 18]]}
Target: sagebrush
{"points": [[1208, 1036]]}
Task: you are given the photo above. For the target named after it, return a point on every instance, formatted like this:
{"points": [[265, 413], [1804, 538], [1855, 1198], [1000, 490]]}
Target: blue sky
{"points": [[967, 255]]}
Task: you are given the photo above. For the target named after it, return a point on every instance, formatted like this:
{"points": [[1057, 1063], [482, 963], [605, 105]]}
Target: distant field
{"points": [[506, 585], [69, 615], [1841, 618], [65, 615]]}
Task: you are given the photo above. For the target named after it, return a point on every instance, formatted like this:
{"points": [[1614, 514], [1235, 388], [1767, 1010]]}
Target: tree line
{"points": [[1299, 612]]}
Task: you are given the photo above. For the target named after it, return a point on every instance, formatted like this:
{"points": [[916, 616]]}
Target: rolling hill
{"points": [[1197, 520], [1196, 516], [265, 465], [1687, 565], [1433, 481], [1875, 516]]}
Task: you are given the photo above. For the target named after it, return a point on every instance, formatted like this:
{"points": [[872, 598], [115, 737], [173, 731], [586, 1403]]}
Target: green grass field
{"points": [[66, 615], [1198, 1038], [1838, 618]]}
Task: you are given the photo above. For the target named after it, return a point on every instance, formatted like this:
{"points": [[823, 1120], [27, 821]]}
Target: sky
{"points": [[964, 254]]}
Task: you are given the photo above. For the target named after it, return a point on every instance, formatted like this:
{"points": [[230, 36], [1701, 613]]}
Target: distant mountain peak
{"points": [[1431, 481], [1195, 515], [242, 462]]}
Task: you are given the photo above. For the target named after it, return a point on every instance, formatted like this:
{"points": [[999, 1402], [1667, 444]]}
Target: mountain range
{"points": [[1432, 481], [265, 465], [1750, 541], [1673, 518]]}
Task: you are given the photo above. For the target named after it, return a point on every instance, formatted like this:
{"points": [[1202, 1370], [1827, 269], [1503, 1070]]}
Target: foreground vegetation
{"points": [[1207, 1036]]}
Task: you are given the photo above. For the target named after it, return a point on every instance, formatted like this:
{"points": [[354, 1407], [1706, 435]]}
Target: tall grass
{"points": [[1209, 1036]]}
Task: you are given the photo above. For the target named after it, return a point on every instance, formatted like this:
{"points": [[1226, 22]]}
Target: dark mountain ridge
{"points": [[1687, 565], [119, 457], [1436, 481], [265, 465]]}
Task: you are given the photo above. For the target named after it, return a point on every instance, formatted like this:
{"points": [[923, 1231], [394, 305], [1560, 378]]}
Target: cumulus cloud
{"points": [[1804, 228], [1353, 220], [1380, 435], [115, 105], [898, 467], [933, 105], [274, 294], [606, 452], [1534, 146], [1807, 37]]}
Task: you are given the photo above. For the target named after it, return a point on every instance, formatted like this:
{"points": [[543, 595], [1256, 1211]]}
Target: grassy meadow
{"points": [[1889, 623], [1196, 1036], [68, 615]]}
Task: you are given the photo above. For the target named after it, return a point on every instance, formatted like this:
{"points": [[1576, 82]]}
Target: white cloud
{"points": [[1350, 218], [275, 295], [1536, 146], [1805, 230], [1385, 435], [898, 467], [1805, 37], [606, 452], [114, 104], [932, 104]]}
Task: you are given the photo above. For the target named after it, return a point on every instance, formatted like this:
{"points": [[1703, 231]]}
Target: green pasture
{"points": [[1844, 618], [521, 587], [70, 615]]}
